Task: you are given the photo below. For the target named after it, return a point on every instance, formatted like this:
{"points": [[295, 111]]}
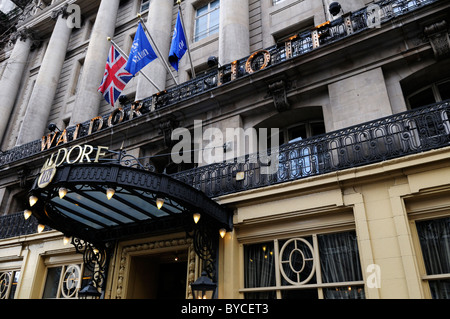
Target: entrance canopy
{"points": [[73, 199]]}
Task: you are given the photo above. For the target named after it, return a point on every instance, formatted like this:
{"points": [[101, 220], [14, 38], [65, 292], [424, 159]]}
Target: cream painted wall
{"points": [[370, 200]]}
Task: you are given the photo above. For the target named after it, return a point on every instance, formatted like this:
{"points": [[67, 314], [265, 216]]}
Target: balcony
{"points": [[346, 26], [396, 136], [399, 135]]}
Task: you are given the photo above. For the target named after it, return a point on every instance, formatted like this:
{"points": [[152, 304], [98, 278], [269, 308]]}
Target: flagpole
{"points": [[157, 49], [187, 40], [126, 56]]}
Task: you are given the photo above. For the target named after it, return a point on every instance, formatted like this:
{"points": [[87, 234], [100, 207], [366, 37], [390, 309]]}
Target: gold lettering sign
{"points": [[73, 155]]}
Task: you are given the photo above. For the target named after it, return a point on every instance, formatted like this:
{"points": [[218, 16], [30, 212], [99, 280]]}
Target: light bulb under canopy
{"points": [[110, 193], [62, 192], [159, 202], [41, 228], [197, 217], [27, 214], [33, 200], [66, 240], [222, 232]]}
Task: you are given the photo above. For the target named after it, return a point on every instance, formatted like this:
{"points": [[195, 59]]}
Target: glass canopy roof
{"points": [[84, 210]]}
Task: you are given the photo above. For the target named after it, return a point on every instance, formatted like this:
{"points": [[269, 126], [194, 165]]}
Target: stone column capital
{"points": [[60, 12], [23, 35]]}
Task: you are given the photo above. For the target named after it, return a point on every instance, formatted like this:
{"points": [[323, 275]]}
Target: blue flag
{"points": [[179, 45], [141, 52]]}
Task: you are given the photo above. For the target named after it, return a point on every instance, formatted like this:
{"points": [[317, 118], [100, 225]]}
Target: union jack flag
{"points": [[115, 78]]}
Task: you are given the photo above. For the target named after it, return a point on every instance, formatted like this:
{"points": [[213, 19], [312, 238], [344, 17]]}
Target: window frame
{"points": [[434, 88], [144, 6], [319, 284], [207, 31], [12, 275], [424, 277], [64, 267]]}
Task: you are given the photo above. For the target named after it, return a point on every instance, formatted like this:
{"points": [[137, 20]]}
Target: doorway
{"points": [[158, 276]]}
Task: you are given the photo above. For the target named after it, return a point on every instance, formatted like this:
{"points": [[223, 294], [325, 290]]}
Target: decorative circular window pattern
{"points": [[5, 281], [297, 262], [71, 281]]}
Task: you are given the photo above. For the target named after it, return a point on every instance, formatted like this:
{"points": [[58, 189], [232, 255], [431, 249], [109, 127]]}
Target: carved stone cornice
{"points": [[438, 36]]}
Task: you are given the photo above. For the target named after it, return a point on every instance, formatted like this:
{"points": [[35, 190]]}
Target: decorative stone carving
{"points": [[278, 92], [61, 11], [166, 128], [437, 33], [23, 35]]}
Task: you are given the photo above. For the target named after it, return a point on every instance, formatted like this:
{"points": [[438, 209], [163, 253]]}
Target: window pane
{"points": [[16, 275], [215, 4], [339, 257], [214, 22], [52, 282], [299, 294], [297, 133], [318, 128], [259, 265], [261, 295], [444, 90], [201, 28], [434, 236], [351, 292], [440, 289], [201, 11], [422, 98]]}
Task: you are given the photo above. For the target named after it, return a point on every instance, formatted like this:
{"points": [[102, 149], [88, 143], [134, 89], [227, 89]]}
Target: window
{"points": [[207, 20], [434, 237], [8, 284], [433, 93], [314, 267], [275, 2], [145, 4], [65, 281], [77, 76]]}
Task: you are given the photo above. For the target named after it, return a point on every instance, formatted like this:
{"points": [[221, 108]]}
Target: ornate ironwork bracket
{"points": [[205, 244], [95, 260]]}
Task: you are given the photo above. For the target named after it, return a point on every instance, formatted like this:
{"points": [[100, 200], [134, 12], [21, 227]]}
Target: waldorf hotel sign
{"points": [[255, 62]]}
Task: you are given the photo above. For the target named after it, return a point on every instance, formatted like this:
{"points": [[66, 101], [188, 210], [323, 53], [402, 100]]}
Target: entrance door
{"points": [[158, 276]]}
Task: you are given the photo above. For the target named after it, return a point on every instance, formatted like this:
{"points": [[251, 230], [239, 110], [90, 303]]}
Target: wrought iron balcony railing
{"points": [[330, 32], [391, 137], [15, 225], [387, 138]]}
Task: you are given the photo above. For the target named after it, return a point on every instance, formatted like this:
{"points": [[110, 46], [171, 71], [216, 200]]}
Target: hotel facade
{"points": [[301, 151]]}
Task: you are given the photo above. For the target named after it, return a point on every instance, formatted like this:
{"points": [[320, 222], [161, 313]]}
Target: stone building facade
{"points": [[352, 204]]}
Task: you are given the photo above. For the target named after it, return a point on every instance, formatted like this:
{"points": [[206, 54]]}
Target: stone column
{"points": [[234, 32], [88, 98], [41, 100], [10, 82], [159, 24]]}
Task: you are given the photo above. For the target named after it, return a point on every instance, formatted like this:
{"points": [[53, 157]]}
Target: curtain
{"points": [[259, 262], [434, 236], [339, 261]]}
